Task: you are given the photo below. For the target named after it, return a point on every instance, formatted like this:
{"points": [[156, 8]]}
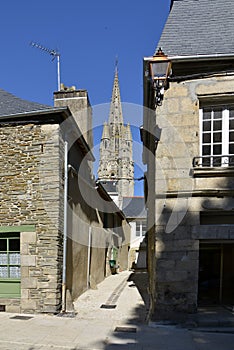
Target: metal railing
{"points": [[213, 161]]}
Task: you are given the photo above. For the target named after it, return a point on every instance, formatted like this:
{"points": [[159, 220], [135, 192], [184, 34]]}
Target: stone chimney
{"points": [[79, 105]]}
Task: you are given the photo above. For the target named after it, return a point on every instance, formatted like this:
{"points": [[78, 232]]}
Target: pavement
{"points": [[114, 316]]}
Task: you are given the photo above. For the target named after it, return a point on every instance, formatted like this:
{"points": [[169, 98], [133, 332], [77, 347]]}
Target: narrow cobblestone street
{"points": [[118, 300]]}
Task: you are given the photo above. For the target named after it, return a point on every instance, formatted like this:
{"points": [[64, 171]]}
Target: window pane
{"points": [[206, 126], [217, 125], [3, 245], [3, 259], [144, 228], [14, 245], [218, 113], [231, 112], [14, 271], [231, 136], [231, 161], [206, 150], [231, 148], [206, 138], [231, 124], [3, 272], [14, 258], [217, 149], [216, 161], [206, 114], [217, 137], [206, 161]]}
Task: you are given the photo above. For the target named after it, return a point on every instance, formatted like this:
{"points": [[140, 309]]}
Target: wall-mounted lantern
{"points": [[159, 71]]}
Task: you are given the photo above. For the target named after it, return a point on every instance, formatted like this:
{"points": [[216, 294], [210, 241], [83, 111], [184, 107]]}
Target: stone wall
{"points": [[31, 179], [181, 195]]}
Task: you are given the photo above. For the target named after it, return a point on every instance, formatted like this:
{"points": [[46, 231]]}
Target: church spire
{"points": [[116, 167], [116, 115]]}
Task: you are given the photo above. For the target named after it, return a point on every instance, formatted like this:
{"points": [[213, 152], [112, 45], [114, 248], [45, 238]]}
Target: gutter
{"points": [[201, 57], [196, 57], [51, 110]]}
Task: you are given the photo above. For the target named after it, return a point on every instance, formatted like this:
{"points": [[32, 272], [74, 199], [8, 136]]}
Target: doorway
{"points": [[216, 274]]}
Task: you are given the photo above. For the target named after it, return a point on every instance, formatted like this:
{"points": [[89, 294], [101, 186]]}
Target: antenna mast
{"points": [[52, 53]]}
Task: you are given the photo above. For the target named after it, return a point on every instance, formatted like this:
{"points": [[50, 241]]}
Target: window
{"points": [[217, 136], [140, 228], [10, 256]]}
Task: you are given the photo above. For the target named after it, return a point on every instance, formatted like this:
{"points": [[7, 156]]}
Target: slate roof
{"points": [[10, 104], [134, 207], [199, 27], [109, 186]]}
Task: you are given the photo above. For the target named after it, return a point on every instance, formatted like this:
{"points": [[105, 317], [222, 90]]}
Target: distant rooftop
{"points": [[199, 27], [134, 207], [10, 104], [110, 186]]}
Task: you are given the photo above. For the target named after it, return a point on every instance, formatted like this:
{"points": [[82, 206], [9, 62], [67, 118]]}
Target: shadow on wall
{"points": [[195, 256], [140, 280]]}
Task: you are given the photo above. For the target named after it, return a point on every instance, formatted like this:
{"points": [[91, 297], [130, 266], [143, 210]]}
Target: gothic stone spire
{"points": [[116, 164], [116, 114]]}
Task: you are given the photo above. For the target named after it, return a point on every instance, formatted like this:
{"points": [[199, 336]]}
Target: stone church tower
{"points": [[116, 167]]}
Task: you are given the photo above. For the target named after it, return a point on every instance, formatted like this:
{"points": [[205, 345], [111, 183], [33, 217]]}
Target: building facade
{"points": [[54, 242], [116, 167], [190, 170]]}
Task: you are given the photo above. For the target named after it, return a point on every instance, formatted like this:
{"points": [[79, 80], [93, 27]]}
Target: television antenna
{"points": [[54, 54]]}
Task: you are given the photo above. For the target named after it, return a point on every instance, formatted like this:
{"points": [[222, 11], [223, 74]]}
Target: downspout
{"points": [[88, 258], [65, 227]]}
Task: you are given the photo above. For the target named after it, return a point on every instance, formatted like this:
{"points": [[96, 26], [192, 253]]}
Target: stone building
{"points": [[56, 234], [190, 170], [116, 168]]}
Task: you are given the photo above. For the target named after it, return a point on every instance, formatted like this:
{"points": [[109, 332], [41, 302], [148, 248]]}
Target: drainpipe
{"points": [[89, 254], [65, 227]]}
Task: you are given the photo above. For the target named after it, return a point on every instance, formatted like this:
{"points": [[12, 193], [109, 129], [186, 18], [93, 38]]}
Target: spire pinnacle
{"points": [[116, 115], [116, 64]]}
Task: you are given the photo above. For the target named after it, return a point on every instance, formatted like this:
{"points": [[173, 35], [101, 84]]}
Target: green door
{"points": [[9, 265]]}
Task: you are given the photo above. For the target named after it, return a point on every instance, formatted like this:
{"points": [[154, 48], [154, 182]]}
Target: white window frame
{"points": [[225, 136]]}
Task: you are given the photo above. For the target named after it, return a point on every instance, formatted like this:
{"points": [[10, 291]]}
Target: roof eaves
{"points": [[36, 112], [64, 112], [185, 58]]}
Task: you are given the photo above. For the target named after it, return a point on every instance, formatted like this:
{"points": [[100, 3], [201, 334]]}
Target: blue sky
{"points": [[89, 35]]}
